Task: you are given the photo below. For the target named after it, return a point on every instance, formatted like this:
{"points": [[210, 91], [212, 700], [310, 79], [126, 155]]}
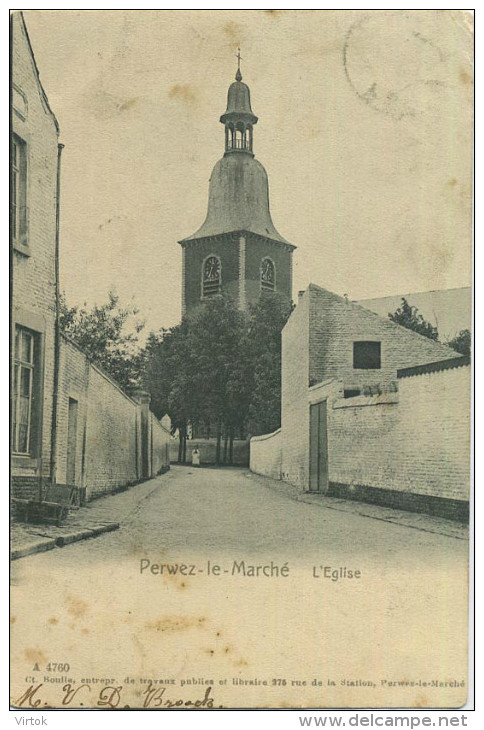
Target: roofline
{"points": [[386, 319], [100, 369], [433, 367], [234, 116], [43, 95], [238, 231], [412, 294], [160, 424]]}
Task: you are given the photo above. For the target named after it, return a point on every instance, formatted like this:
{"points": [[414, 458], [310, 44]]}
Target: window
{"points": [[367, 355], [19, 102], [19, 190], [267, 275], [211, 276], [23, 387], [351, 392]]}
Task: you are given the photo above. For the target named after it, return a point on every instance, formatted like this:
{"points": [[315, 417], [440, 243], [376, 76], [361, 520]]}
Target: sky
{"points": [[365, 130]]}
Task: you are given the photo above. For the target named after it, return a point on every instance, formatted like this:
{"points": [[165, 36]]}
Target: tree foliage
{"points": [[408, 316], [109, 335], [262, 344], [219, 366], [461, 342]]}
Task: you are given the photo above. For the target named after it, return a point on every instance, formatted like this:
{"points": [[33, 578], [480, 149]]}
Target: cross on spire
{"points": [[238, 75]]}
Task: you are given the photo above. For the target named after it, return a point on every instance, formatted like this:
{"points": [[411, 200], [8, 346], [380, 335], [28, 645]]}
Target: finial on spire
{"points": [[238, 75]]}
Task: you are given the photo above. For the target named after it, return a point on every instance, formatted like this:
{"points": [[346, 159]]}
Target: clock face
{"points": [[267, 271], [212, 269]]}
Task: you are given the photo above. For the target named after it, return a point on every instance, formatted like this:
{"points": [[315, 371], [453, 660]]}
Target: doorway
{"points": [[71, 442], [318, 448]]}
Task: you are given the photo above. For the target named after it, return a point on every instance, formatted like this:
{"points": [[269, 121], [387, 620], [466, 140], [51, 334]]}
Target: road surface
{"points": [[111, 607]]}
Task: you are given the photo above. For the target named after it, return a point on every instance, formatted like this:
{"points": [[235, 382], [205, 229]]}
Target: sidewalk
{"points": [[104, 514], [413, 520], [119, 510]]}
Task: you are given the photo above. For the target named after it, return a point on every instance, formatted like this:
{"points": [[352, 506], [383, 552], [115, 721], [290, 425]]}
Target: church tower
{"points": [[237, 252]]}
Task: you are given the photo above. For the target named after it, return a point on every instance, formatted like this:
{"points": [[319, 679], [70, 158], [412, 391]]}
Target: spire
{"points": [[238, 75], [239, 118]]}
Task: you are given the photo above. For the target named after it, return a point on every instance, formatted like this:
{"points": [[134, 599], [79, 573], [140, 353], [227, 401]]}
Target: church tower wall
{"points": [[196, 253], [256, 251]]}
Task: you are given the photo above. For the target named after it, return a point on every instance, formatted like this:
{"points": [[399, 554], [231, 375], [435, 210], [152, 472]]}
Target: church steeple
{"points": [[239, 118], [238, 75], [237, 252]]}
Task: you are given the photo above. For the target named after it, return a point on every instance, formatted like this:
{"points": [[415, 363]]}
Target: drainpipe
{"points": [[53, 441]]}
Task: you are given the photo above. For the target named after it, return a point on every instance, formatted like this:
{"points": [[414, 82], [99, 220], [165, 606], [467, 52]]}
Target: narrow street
{"points": [[97, 606], [233, 512]]}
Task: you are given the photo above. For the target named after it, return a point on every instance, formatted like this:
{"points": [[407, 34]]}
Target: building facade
{"points": [[71, 424], [237, 252], [35, 155], [349, 342], [370, 411]]}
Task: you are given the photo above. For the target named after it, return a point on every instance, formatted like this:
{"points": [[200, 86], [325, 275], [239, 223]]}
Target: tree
{"points": [[216, 366], [164, 359], [192, 370], [461, 342], [263, 347], [409, 317], [220, 366], [108, 334], [162, 355]]}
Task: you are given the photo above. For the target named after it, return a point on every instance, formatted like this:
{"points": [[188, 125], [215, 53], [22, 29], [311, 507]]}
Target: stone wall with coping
{"points": [[417, 442], [109, 440], [266, 454], [408, 447]]}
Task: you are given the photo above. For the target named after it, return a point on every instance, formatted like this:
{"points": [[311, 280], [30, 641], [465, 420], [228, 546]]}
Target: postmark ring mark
{"points": [[401, 86]]}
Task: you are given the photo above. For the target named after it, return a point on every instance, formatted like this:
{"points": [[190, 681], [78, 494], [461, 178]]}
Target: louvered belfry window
{"points": [[267, 275], [211, 276]]}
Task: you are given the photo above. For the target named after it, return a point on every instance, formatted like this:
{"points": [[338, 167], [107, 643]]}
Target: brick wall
{"points": [[74, 380], [335, 324], [266, 454], [111, 441], [409, 449], [419, 444], [160, 446], [294, 387], [33, 265], [27, 487], [108, 439], [256, 250], [411, 442], [106, 445], [227, 249], [208, 449]]}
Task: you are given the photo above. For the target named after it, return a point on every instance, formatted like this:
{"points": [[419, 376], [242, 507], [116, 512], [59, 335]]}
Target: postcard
{"points": [[241, 278]]}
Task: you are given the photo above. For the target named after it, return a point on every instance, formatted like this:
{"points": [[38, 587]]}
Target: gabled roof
{"points": [[42, 94], [440, 350]]}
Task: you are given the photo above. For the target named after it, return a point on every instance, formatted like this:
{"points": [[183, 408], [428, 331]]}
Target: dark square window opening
{"points": [[366, 355], [351, 393]]}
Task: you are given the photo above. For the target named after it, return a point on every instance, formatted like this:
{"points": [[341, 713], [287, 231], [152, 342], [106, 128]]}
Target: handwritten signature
{"points": [[111, 698]]}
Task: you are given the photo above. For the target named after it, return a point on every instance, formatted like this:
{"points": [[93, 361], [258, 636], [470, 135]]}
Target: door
{"points": [[318, 448], [71, 442]]}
